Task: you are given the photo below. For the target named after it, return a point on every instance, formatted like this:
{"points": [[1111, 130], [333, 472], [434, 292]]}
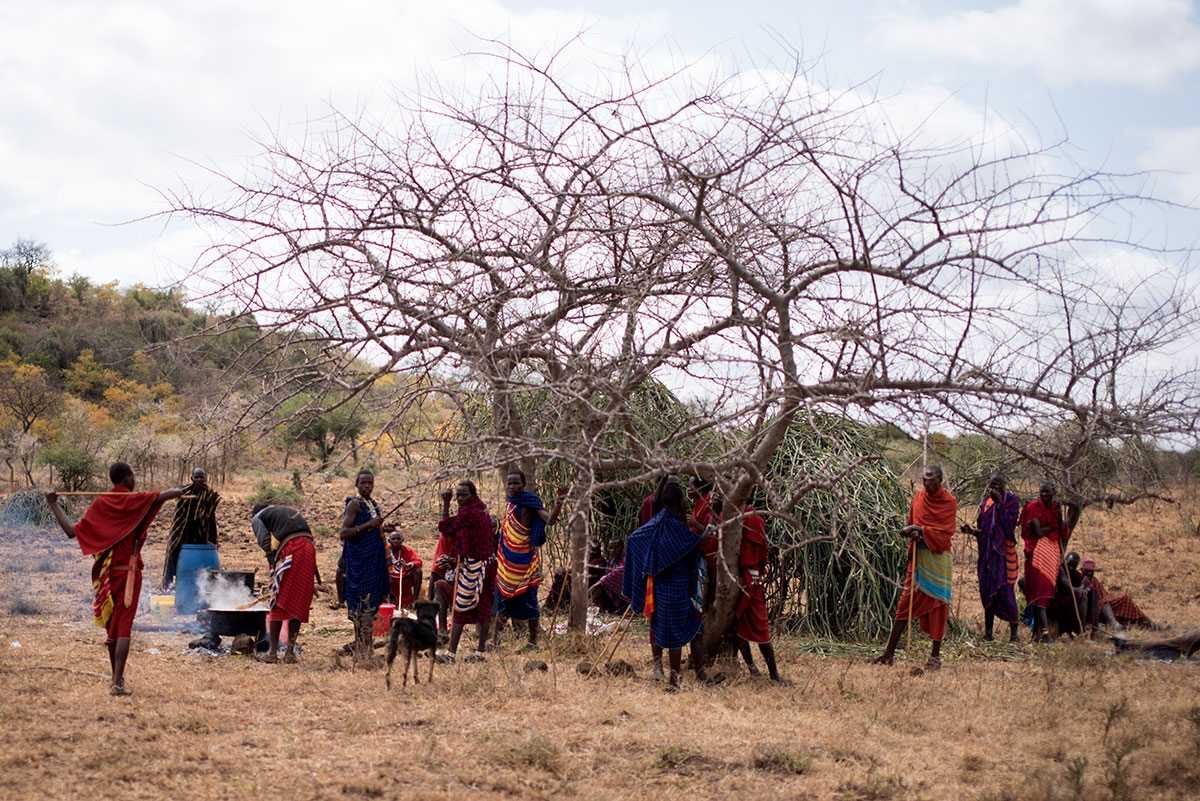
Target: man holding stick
{"points": [[112, 531], [471, 537], [930, 529]]}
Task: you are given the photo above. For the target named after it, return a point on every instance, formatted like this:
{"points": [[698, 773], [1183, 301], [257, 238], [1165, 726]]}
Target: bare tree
{"points": [[766, 246]]}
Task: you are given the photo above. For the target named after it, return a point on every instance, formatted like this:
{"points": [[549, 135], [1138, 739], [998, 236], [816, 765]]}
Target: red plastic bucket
{"points": [[383, 620]]}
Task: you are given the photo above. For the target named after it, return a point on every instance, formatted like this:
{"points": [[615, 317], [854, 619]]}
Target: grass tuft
{"points": [[536, 752], [780, 759]]}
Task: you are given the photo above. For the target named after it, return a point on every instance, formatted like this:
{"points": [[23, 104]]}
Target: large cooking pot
{"points": [[232, 578], [232, 622]]}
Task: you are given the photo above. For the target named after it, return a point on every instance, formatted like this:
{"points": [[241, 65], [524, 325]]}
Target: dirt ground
{"points": [[1073, 720]]}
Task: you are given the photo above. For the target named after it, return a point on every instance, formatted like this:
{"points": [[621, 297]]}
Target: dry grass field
{"points": [[1073, 720]]}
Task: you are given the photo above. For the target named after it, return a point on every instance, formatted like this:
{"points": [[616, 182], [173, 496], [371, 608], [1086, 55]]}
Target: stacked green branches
{"points": [[654, 418], [833, 576]]}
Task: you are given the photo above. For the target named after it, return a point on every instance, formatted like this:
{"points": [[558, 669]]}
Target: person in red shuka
{"points": [[113, 530], [404, 570]]}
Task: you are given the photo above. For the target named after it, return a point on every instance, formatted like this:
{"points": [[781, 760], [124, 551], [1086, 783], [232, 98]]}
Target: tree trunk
{"points": [[578, 531]]}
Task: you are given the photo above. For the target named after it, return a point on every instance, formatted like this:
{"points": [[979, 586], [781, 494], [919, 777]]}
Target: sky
{"points": [[104, 107]]}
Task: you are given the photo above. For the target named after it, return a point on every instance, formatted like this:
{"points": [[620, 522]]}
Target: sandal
{"points": [[266, 659], [119, 689], [478, 656], [290, 659]]}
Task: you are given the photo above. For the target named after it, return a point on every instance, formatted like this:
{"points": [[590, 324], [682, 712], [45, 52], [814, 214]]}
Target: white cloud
{"points": [[1144, 43], [107, 103], [1174, 155]]}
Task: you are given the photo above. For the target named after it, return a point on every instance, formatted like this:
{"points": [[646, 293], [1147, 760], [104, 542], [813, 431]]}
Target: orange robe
{"points": [[937, 516]]}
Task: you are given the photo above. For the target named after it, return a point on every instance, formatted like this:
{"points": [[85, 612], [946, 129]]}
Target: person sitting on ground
{"points": [[286, 539], [606, 593], [404, 571], [1064, 611], [1105, 609], [661, 560], [112, 531], [926, 596], [752, 625], [471, 535]]}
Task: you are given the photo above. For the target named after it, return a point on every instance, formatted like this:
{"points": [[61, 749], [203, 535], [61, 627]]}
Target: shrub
{"points": [[264, 490]]}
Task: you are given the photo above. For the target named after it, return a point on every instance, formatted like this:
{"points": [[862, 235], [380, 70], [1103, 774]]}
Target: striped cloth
{"points": [[997, 567], [102, 595], [291, 591], [194, 523], [468, 584], [934, 573], [518, 568]]}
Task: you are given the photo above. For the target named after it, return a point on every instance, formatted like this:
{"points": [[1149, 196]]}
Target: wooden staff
{"points": [[83, 493], [603, 660], [912, 587], [396, 508], [1062, 560]]}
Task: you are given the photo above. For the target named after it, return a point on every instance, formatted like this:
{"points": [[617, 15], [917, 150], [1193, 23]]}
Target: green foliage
{"points": [[830, 578], [323, 431], [264, 490], [74, 465]]}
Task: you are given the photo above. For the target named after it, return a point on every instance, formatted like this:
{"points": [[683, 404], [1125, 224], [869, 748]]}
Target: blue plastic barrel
{"points": [[194, 563]]}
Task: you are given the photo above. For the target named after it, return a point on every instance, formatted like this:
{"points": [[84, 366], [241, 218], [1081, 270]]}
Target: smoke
{"points": [[223, 592]]}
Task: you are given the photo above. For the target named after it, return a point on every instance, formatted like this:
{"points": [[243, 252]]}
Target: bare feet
{"points": [[290, 658], [268, 659], [781, 681]]}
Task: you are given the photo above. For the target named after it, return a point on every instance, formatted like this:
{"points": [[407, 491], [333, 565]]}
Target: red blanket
{"points": [[112, 518]]}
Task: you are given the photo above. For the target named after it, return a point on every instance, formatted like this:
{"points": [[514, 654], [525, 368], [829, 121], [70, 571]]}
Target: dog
{"points": [[410, 637]]}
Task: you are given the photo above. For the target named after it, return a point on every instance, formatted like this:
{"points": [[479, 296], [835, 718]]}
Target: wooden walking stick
{"points": [[83, 493], [912, 587], [603, 660], [1062, 560], [550, 637]]}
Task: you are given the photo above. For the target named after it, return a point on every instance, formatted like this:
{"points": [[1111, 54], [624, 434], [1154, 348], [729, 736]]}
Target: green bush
{"points": [[75, 466], [278, 494]]}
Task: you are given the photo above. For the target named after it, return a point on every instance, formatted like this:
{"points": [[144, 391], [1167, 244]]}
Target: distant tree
{"points": [[89, 379], [74, 465], [26, 394]]}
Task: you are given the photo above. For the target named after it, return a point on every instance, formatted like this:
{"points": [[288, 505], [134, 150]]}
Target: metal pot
{"points": [[232, 622]]}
